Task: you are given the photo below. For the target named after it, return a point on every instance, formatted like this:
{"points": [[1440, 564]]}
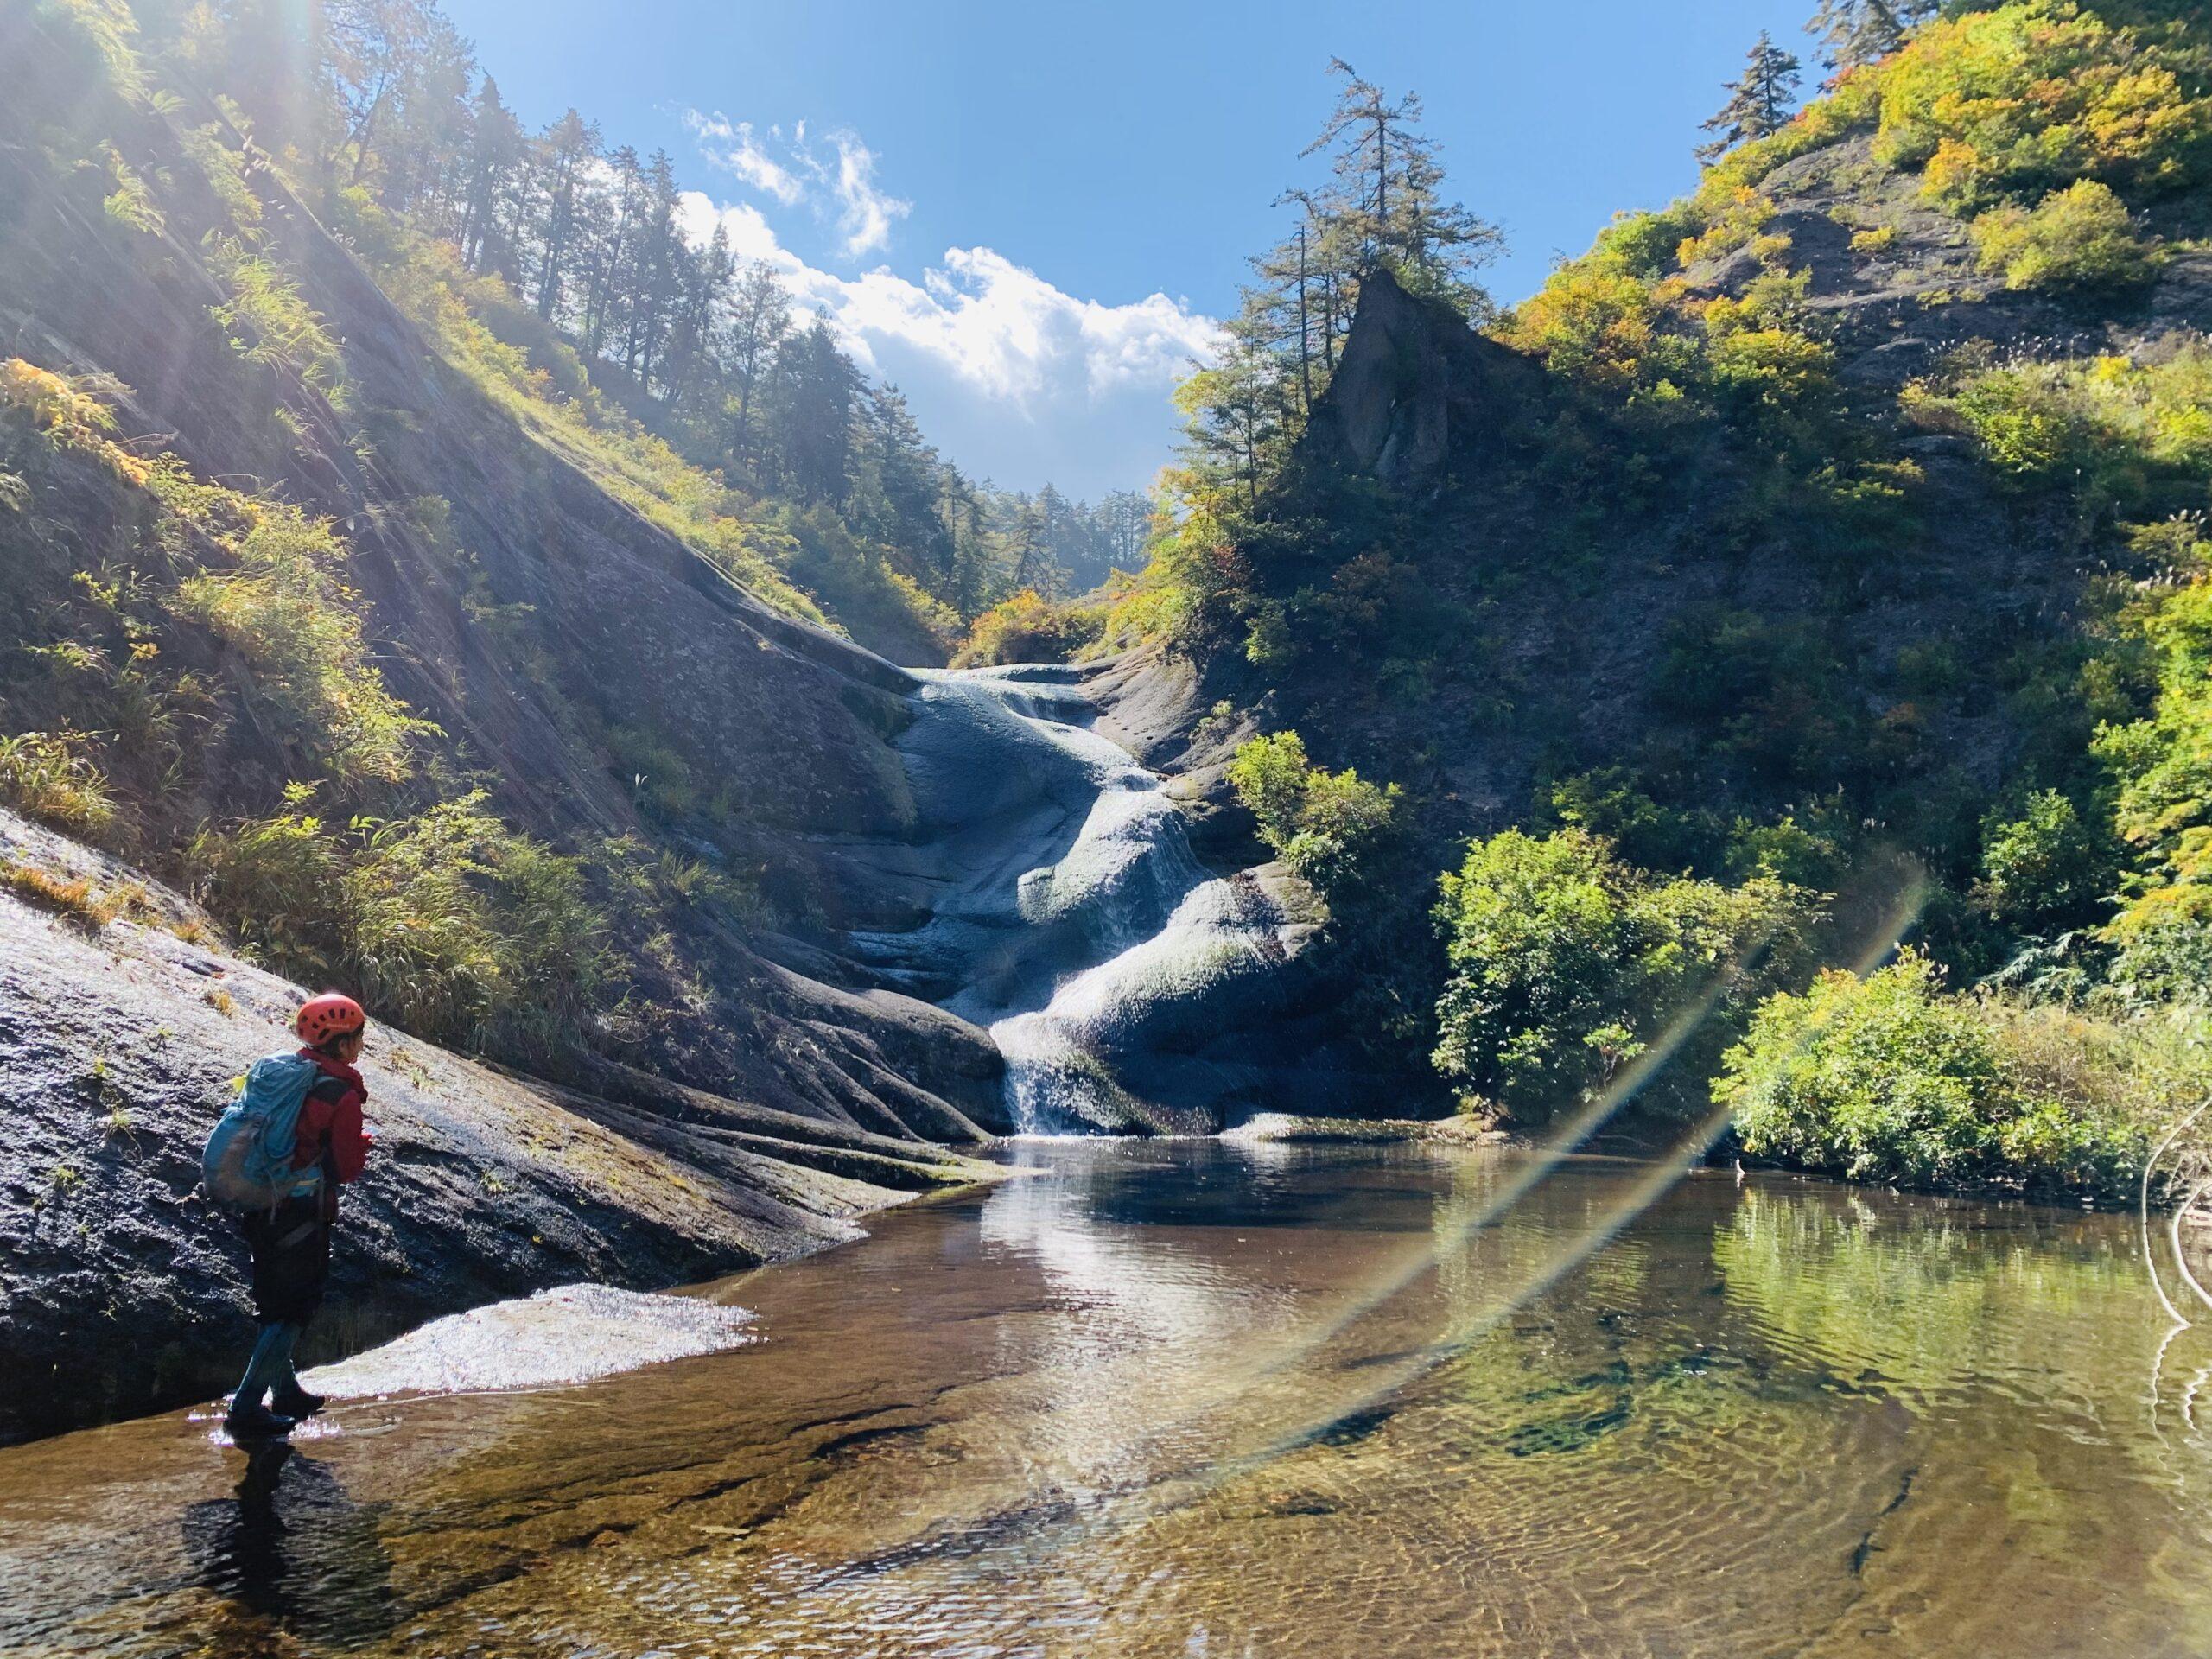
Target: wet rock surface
{"points": [[558, 1338], [121, 1291], [1060, 901]]}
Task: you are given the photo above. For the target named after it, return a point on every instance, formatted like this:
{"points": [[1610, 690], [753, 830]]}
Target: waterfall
{"points": [[1068, 913]]}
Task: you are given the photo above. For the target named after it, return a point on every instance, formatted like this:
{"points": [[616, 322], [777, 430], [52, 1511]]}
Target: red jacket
{"points": [[331, 1131]]}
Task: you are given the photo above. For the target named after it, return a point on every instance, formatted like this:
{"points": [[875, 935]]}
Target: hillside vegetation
{"points": [[1842, 521], [346, 599]]}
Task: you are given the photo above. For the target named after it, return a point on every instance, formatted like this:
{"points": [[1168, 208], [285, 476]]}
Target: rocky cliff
{"points": [[1500, 574]]}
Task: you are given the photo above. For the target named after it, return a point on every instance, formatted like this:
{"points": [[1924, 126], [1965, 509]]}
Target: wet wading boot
{"points": [[256, 1422], [293, 1402]]}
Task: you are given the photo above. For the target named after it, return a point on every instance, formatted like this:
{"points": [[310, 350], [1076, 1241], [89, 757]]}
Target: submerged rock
{"points": [[568, 1335]]}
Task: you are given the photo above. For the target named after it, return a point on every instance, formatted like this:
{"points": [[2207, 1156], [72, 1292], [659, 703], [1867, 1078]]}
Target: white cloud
{"points": [[732, 145], [864, 212], [998, 327], [840, 185], [1014, 378], [750, 237]]}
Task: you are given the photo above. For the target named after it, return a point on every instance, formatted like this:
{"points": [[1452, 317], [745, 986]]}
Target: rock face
{"points": [[1496, 628], [1063, 905], [1413, 388], [121, 1291]]}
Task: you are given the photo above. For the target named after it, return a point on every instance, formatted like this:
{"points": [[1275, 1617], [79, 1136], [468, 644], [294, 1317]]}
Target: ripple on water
{"points": [[1130, 1413]]}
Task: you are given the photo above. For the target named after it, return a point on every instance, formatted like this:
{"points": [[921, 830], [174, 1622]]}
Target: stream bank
{"points": [[121, 1292]]}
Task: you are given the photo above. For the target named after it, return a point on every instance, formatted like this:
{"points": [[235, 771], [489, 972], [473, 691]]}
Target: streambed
{"points": [[1152, 1399]]}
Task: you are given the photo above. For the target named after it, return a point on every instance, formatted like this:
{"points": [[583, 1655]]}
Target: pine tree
{"points": [[1126, 518], [1388, 200], [611, 250], [895, 491], [1758, 105], [1028, 557], [1297, 306], [427, 136], [495, 157], [760, 314], [817, 383], [654, 276], [1235, 418], [568, 146], [373, 45], [967, 582], [1853, 33]]}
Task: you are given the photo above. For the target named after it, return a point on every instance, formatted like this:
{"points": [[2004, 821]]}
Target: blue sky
{"points": [[1028, 215]]}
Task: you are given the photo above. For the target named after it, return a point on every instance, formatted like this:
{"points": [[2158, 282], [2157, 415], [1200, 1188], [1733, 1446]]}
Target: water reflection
{"points": [[288, 1556], [1145, 1401]]}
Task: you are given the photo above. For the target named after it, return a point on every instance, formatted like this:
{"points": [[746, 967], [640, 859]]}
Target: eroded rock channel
{"points": [[1128, 988]]}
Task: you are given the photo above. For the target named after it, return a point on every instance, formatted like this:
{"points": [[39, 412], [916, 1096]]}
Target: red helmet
{"points": [[325, 1019]]}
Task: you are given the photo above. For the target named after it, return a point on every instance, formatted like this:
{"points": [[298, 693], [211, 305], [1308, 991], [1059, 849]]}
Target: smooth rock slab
{"points": [[572, 1334]]}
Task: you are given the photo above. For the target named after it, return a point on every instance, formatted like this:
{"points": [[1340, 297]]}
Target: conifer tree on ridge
{"points": [[1758, 105], [1853, 33]]}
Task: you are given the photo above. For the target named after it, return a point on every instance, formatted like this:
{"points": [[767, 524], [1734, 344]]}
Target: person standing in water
{"points": [[291, 1241]]}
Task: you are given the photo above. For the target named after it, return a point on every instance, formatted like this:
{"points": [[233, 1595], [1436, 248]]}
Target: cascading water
{"points": [[1068, 913]]}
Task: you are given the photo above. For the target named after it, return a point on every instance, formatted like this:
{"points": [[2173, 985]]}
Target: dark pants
{"points": [[291, 1259]]}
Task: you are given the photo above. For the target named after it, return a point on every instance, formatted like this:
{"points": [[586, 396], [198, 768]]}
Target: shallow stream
{"points": [[1155, 1398]]}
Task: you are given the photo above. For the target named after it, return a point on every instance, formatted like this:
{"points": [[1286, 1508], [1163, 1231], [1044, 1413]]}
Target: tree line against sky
{"points": [[712, 351]]}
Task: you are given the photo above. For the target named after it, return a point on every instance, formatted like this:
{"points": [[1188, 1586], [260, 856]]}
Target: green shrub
{"points": [[276, 882], [1027, 627], [1327, 827], [1772, 369], [2128, 435], [51, 776], [65, 411], [1565, 962], [131, 204], [458, 926], [658, 778], [1891, 1078], [110, 32], [2081, 237], [2033, 95], [667, 881], [225, 170], [447, 922], [1610, 803], [1612, 327], [2043, 868], [2024, 424], [268, 320], [1646, 244], [2163, 766], [74, 897], [1786, 850], [287, 610]]}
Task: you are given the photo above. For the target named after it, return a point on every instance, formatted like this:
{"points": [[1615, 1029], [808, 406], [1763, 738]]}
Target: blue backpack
{"points": [[248, 1162]]}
